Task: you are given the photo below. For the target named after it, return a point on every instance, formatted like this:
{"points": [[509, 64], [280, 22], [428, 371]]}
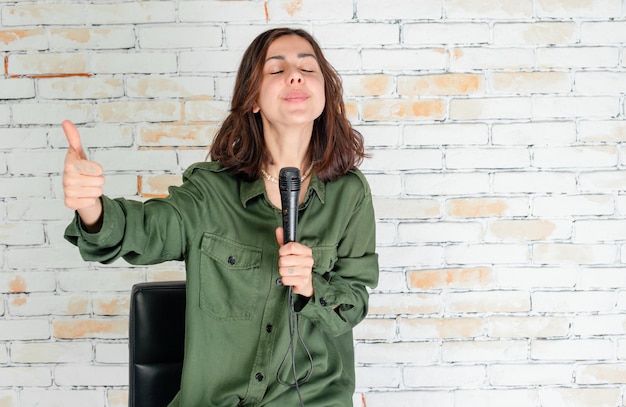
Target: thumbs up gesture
{"points": [[82, 179]]}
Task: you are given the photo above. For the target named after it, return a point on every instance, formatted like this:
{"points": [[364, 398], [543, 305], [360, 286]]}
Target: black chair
{"points": [[156, 342]]}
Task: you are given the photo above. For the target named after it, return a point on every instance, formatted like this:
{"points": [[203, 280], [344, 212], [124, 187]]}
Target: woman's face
{"points": [[292, 88]]}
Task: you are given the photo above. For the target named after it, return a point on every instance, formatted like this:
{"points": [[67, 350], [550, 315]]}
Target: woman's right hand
{"points": [[82, 181]]}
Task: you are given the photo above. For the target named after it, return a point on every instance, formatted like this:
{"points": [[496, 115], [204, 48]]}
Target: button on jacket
{"points": [[237, 325]]}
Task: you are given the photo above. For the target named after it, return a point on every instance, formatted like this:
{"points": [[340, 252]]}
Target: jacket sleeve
{"points": [[140, 232], [340, 299]]}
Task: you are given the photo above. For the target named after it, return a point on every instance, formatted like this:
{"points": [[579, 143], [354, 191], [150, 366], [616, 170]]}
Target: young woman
{"points": [[267, 323]]}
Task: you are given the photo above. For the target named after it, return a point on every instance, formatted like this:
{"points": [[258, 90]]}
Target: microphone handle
{"points": [[290, 215]]}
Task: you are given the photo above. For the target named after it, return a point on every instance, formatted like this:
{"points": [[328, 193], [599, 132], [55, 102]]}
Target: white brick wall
{"points": [[495, 130]]}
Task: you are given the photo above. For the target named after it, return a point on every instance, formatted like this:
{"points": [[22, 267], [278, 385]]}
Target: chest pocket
{"points": [[230, 275]]}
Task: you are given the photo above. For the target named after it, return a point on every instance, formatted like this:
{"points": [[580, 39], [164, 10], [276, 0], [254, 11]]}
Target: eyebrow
{"points": [[300, 56]]}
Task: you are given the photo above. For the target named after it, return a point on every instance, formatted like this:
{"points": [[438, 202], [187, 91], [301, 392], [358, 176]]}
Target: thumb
{"points": [[280, 236], [73, 138]]}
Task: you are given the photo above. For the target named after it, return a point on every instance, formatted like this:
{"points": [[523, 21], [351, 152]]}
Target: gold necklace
{"points": [[275, 181]]}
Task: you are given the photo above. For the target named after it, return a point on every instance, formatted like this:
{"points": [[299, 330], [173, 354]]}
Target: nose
{"points": [[295, 77]]}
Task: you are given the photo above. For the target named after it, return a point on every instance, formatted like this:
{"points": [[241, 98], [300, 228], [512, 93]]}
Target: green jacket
{"points": [[237, 326]]}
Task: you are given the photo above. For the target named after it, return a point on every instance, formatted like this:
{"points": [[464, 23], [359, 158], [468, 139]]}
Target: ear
{"points": [[256, 108]]}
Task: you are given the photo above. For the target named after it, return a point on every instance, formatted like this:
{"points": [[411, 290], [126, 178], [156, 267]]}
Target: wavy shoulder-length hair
{"points": [[335, 147]]}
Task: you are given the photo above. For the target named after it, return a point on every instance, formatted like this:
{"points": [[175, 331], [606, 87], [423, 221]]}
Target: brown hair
{"points": [[335, 147]]}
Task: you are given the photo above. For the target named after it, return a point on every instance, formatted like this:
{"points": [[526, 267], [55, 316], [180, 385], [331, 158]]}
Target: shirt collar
{"points": [[252, 189]]}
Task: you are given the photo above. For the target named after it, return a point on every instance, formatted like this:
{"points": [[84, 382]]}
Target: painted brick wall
{"points": [[497, 133]]}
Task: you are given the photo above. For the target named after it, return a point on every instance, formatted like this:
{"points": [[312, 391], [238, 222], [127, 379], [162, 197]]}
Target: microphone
{"points": [[289, 185]]}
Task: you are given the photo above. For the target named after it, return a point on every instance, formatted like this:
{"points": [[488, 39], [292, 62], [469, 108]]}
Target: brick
{"points": [[117, 398], [50, 113], [51, 352], [488, 301], [182, 36], [342, 10], [150, 160], [385, 185], [602, 131], [209, 61], [91, 38], [23, 40], [407, 398], [402, 109], [111, 304], [403, 60], [410, 256], [531, 277], [527, 326], [131, 13], [439, 279], [391, 281], [218, 11], [496, 397], [53, 398], [128, 63], [483, 351], [600, 82], [505, 253], [527, 230], [446, 134], [572, 205], [371, 34], [434, 184], [100, 135], [206, 111], [601, 373], [587, 231], [25, 376], [439, 85], [99, 280], [492, 9], [439, 232], [157, 185], [602, 181], [572, 349], [49, 305], [35, 162], [16, 234], [594, 32], [17, 138], [80, 88], [565, 253], [139, 111], [444, 376], [112, 353], [486, 207], [171, 87], [27, 282], [535, 33], [534, 182], [464, 59], [573, 301], [566, 9], [599, 325], [530, 375], [539, 134], [36, 209], [42, 14], [47, 64], [379, 377], [580, 397], [492, 108], [376, 135], [348, 60], [445, 33], [439, 328], [577, 57], [83, 375], [396, 304], [602, 278], [368, 85], [482, 158], [56, 257], [8, 398], [5, 115], [582, 107], [419, 353], [375, 329], [17, 88], [105, 328], [403, 208], [404, 159], [516, 83], [370, 9]]}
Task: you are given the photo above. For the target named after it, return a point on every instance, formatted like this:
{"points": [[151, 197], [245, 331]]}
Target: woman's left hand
{"points": [[295, 265]]}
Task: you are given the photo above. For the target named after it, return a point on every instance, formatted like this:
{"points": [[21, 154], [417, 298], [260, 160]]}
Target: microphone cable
{"points": [[294, 332]]}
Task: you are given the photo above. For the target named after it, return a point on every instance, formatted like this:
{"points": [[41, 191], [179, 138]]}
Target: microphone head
{"points": [[289, 179]]}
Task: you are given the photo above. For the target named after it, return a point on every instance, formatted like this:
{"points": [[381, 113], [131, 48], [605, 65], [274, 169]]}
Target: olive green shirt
{"points": [[237, 326]]}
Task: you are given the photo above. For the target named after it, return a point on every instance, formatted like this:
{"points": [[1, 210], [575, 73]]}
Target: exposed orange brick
{"points": [[167, 275], [446, 84], [17, 285], [450, 278], [118, 305], [476, 207], [376, 84], [89, 328], [77, 305], [19, 301], [293, 6], [9, 36], [399, 109], [118, 398]]}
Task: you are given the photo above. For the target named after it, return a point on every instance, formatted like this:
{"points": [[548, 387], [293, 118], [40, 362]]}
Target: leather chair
{"points": [[156, 342]]}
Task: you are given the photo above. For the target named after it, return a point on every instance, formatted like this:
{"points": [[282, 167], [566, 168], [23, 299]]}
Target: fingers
{"points": [[73, 138], [280, 236], [295, 266]]}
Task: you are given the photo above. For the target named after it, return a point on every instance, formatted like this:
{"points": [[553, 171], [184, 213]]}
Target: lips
{"points": [[296, 96]]}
